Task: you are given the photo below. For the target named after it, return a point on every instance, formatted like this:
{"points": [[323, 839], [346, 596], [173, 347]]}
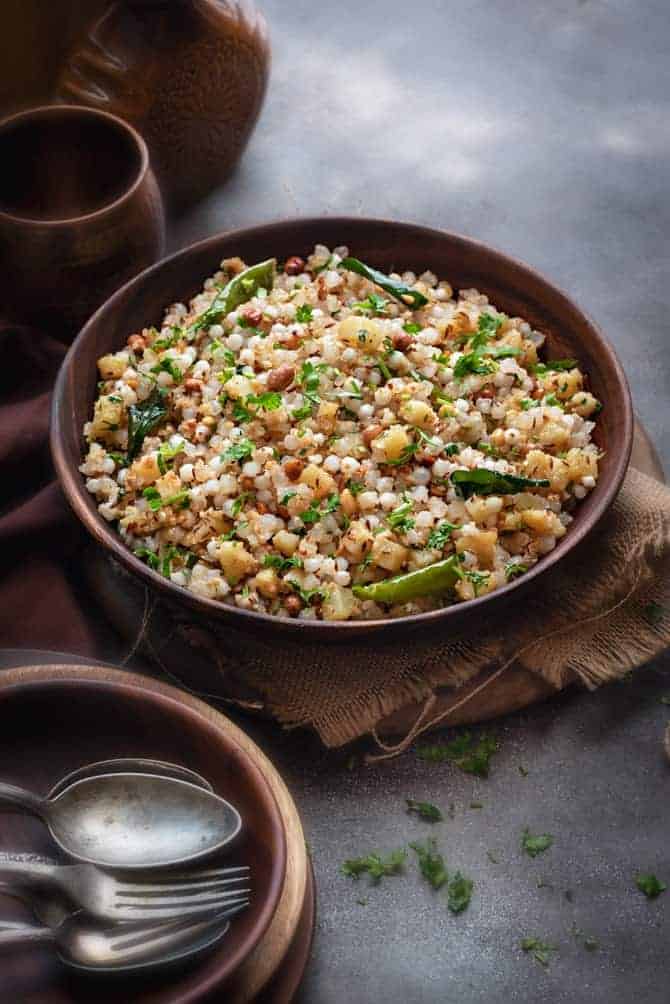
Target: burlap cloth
{"points": [[602, 612]]}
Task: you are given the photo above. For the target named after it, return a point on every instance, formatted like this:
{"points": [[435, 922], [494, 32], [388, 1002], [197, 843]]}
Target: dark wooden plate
{"points": [[511, 285], [56, 718]]}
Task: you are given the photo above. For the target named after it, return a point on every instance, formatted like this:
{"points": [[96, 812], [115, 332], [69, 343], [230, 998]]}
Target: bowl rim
{"points": [[104, 677], [72, 483]]}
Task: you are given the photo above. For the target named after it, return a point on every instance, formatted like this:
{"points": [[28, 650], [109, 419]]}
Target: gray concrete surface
{"points": [[543, 127]]}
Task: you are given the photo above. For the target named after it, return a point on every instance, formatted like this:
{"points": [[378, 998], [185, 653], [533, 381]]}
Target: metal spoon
{"points": [[130, 765], [94, 947], [132, 820]]}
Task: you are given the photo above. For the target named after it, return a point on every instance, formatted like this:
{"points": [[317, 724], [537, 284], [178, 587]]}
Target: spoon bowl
{"points": [[133, 820]]}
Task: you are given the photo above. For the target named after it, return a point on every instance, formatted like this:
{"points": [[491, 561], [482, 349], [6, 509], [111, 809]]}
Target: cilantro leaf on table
{"points": [[376, 866], [431, 863], [540, 950], [425, 810], [459, 893], [650, 885], [534, 845], [470, 755]]}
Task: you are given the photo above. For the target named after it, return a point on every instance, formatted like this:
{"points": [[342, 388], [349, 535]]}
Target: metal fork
{"points": [[175, 894]]}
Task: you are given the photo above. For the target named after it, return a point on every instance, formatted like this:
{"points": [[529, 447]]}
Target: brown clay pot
{"points": [[80, 213], [190, 75]]}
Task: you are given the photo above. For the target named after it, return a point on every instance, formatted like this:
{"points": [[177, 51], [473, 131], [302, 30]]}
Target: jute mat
{"points": [[600, 613]]}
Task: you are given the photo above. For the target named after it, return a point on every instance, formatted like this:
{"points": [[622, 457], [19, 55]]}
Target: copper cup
{"points": [[80, 213]]}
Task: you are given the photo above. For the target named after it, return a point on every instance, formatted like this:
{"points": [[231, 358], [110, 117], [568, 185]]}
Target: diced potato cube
{"points": [[286, 543], [584, 404], [267, 583], [543, 521], [554, 434], [418, 413], [393, 442], [563, 383], [543, 465], [143, 472], [107, 417], [112, 367], [482, 543], [348, 502], [388, 554], [581, 463], [338, 604], [363, 333], [169, 485], [326, 415], [238, 387], [357, 541], [235, 560], [320, 481]]}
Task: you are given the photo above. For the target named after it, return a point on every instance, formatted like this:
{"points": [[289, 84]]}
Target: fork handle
{"points": [[13, 797], [12, 933], [29, 872]]}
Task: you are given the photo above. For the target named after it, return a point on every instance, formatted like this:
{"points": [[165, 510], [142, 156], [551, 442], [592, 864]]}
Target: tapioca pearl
{"points": [[483, 404], [313, 564], [341, 564], [342, 578], [368, 500], [349, 466], [388, 500], [186, 473], [424, 520], [291, 442], [579, 491], [545, 544], [349, 356], [122, 475], [332, 464], [420, 476], [366, 411], [383, 396], [250, 469], [385, 485], [441, 468], [419, 494], [201, 369], [461, 404], [235, 341], [212, 548], [315, 458], [589, 481], [228, 484], [328, 566]]}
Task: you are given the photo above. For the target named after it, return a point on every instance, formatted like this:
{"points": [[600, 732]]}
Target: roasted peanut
{"points": [[280, 378], [294, 265]]}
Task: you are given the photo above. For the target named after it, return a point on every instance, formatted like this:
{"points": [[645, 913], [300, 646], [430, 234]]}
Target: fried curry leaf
{"points": [[143, 419], [482, 481]]}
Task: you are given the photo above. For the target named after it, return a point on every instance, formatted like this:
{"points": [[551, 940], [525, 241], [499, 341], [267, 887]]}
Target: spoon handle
{"points": [[12, 797], [12, 867], [12, 933]]}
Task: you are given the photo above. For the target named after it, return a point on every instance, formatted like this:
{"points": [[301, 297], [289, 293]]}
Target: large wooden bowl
{"points": [[512, 286], [54, 719]]}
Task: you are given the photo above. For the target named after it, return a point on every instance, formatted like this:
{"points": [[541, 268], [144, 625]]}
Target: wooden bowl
{"points": [[54, 719], [80, 213], [511, 285]]}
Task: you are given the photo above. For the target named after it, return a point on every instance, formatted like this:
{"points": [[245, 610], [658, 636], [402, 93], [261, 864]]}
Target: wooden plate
{"points": [[57, 717]]}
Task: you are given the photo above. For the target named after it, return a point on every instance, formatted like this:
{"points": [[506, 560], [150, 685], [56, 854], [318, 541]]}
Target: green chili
{"points": [[240, 289], [430, 581]]}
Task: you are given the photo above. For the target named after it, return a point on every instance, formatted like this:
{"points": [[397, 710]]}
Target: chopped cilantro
{"points": [[513, 569], [375, 865], [303, 313], [166, 455], [478, 579], [553, 401], [304, 411], [399, 519], [541, 369], [470, 755], [355, 487], [156, 501], [313, 514], [526, 403], [285, 499], [411, 327], [239, 502], [440, 535], [459, 893], [168, 366], [240, 450], [426, 810], [309, 379], [650, 885], [308, 596], [119, 458], [406, 455], [372, 304], [270, 400], [383, 369], [431, 863], [150, 557], [240, 413], [540, 950], [281, 563], [487, 327], [534, 845]]}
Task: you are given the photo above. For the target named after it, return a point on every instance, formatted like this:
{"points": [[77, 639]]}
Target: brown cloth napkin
{"points": [[603, 611]]}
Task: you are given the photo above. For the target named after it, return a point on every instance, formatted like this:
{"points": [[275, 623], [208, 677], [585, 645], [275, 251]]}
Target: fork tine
{"points": [[208, 902], [206, 910], [152, 891], [194, 875]]}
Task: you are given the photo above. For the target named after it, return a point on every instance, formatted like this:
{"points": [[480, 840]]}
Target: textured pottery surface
{"points": [[80, 214], [190, 75]]}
